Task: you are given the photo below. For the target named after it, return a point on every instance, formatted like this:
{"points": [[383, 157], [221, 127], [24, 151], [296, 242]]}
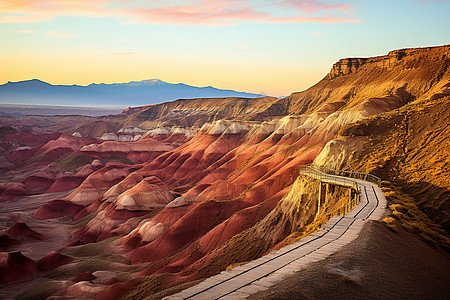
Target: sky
{"points": [[273, 47]]}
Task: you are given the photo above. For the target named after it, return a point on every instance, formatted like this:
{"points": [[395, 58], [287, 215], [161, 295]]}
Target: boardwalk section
{"points": [[264, 272]]}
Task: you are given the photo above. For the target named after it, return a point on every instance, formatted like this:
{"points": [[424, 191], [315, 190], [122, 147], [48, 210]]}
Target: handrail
{"points": [[331, 178], [352, 174], [317, 172]]}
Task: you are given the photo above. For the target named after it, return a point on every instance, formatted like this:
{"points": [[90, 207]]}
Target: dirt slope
{"points": [[380, 264]]}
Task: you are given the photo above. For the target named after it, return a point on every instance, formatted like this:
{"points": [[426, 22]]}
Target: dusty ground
{"points": [[379, 264]]}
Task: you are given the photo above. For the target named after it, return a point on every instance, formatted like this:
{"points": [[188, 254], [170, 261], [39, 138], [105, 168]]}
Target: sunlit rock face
{"points": [[96, 184], [226, 127], [130, 181], [148, 193], [147, 145], [127, 135]]}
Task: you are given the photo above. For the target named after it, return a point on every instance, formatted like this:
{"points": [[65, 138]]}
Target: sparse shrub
{"points": [[397, 207], [406, 211], [390, 223], [398, 215]]}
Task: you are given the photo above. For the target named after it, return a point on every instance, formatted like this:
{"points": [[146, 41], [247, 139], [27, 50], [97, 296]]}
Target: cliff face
{"points": [[346, 66], [394, 59], [422, 72]]}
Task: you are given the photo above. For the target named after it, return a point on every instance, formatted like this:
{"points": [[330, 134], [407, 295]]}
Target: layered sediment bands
{"points": [[255, 169], [149, 193], [98, 128], [196, 112], [137, 152], [96, 184], [215, 181], [51, 151], [147, 145], [393, 59]]}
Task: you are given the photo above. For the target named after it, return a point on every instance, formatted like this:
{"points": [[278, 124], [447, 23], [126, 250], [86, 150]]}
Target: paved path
{"points": [[264, 272]]}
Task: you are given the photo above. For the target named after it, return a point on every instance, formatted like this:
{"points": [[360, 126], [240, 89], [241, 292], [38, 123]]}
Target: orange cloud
{"points": [[193, 12]]}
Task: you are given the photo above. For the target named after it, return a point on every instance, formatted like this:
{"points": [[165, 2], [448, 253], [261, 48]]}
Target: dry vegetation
{"points": [[411, 218], [409, 148]]}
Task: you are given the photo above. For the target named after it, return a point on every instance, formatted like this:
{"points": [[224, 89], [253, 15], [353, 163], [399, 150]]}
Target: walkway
{"points": [[264, 272]]}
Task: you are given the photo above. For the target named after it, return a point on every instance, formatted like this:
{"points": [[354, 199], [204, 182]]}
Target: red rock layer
{"points": [[12, 190], [32, 139], [52, 260], [22, 229], [15, 267], [56, 209]]}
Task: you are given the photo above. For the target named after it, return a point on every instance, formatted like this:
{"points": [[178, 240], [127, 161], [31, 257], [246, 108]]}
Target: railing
{"points": [[352, 174], [325, 175]]}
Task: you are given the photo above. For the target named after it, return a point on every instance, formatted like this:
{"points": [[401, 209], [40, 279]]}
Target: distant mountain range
{"points": [[134, 93]]}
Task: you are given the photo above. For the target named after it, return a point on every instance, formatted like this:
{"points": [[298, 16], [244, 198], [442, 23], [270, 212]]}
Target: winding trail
{"points": [[264, 272]]}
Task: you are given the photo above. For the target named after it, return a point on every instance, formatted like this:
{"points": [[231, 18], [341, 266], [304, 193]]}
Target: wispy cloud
{"points": [[25, 31], [58, 35], [176, 12], [324, 35], [313, 6]]}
